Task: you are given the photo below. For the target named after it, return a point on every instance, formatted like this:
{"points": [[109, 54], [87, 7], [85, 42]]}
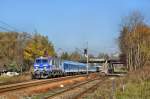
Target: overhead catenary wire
{"points": [[6, 24], [7, 27]]}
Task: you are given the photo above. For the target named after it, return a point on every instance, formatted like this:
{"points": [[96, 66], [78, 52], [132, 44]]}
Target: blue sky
{"points": [[69, 24]]}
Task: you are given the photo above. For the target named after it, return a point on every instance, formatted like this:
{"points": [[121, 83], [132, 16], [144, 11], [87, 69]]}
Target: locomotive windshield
{"points": [[44, 61], [41, 61], [38, 61]]}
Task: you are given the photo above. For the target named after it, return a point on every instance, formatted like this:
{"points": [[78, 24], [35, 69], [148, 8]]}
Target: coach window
{"points": [[65, 66]]}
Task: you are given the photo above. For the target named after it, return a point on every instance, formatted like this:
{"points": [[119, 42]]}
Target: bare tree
{"points": [[134, 41]]}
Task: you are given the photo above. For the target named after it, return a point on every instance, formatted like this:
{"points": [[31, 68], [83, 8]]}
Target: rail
{"points": [[76, 86], [6, 88]]}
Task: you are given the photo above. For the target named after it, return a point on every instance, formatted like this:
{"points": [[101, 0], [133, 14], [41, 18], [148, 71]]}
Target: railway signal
{"points": [[85, 52]]}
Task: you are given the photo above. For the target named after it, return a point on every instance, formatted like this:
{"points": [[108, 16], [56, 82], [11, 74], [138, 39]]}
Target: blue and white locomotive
{"points": [[45, 67]]}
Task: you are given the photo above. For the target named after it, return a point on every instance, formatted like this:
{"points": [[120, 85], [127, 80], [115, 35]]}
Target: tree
{"points": [[134, 41], [18, 50], [65, 56], [103, 55], [11, 48], [75, 56], [38, 46], [91, 56]]}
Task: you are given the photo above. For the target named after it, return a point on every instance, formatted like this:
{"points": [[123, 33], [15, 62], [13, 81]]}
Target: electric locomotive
{"points": [[45, 67]]}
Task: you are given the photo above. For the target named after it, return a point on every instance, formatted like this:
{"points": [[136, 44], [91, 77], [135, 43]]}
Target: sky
{"points": [[70, 24]]}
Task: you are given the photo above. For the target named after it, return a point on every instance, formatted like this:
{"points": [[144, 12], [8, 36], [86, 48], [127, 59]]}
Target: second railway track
{"points": [[12, 87], [77, 89]]}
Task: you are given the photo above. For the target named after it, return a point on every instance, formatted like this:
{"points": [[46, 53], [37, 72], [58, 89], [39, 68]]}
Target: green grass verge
{"points": [[135, 91]]}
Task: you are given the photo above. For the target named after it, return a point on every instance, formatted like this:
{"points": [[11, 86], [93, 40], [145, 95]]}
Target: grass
{"points": [[120, 70], [136, 85], [135, 91], [15, 79]]}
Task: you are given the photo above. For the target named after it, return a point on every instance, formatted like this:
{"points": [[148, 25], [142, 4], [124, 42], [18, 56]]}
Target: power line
{"points": [[4, 23], [5, 29]]}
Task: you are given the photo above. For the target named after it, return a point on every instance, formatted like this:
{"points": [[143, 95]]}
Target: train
{"points": [[47, 67]]}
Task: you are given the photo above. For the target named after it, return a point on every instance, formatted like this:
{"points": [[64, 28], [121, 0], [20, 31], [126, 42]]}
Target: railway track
{"points": [[84, 87], [12, 87], [91, 89]]}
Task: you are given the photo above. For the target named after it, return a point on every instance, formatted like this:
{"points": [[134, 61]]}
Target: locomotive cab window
{"points": [[38, 61], [44, 61]]}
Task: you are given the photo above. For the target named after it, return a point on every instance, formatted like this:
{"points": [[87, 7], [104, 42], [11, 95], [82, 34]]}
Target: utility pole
{"points": [[87, 64], [87, 58]]}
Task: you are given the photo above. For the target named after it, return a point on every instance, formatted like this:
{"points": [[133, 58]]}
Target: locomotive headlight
{"points": [[44, 68], [36, 68], [36, 65]]}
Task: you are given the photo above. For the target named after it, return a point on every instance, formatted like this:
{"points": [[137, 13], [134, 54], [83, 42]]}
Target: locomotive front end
{"points": [[42, 67]]}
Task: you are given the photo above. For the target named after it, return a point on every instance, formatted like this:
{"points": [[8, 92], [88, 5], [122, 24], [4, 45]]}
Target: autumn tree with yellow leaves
{"points": [[19, 50], [134, 41], [11, 49], [38, 46]]}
